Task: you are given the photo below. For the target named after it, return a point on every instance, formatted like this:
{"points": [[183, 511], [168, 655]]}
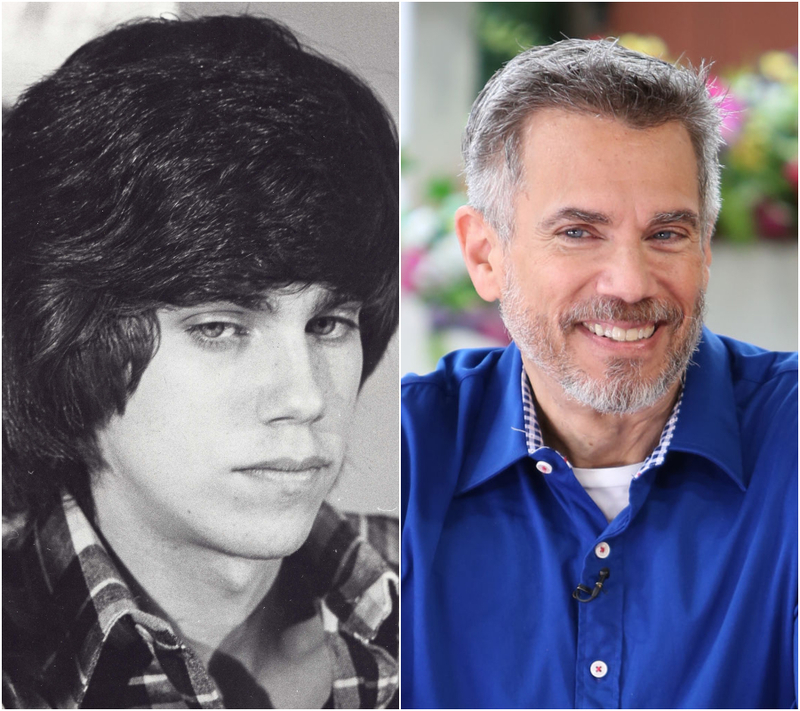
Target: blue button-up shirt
{"points": [[700, 606]]}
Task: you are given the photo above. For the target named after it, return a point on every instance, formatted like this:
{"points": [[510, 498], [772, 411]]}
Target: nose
{"points": [[291, 383], [627, 274]]}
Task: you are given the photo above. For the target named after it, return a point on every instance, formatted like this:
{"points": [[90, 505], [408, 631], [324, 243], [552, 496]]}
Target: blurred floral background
{"points": [[754, 77]]}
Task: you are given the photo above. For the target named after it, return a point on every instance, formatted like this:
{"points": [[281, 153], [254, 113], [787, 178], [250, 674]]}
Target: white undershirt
{"points": [[608, 487]]}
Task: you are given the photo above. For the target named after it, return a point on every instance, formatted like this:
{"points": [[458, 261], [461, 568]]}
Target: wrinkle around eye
{"points": [[671, 241]]}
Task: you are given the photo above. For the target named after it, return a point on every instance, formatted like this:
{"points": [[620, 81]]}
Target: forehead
{"points": [[601, 163]]}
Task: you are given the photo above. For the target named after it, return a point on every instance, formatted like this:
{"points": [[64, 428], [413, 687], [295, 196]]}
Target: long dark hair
{"points": [[173, 163]]}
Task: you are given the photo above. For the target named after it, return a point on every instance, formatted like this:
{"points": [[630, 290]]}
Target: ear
{"points": [[482, 251], [707, 259]]}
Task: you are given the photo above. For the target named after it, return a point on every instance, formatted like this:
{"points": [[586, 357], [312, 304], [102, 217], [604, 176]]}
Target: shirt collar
{"points": [[498, 435], [347, 574], [707, 425], [535, 440], [350, 578]]}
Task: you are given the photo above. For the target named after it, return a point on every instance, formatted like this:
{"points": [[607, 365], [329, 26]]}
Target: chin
{"points": [[268, 537]]}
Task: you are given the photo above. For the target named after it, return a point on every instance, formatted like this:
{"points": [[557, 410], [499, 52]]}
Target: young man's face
{"points": [[238, 428], [603, 280]]}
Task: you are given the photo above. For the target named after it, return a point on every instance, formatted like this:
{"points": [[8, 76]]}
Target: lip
{"points": [[609, 344], [288, 465]]}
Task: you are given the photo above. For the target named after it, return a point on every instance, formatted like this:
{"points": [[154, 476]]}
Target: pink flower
{"points": [[410, 262], [731, 108], [790, 173], [773, 219]]}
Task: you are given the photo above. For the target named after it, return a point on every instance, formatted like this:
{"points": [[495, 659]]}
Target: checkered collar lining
{"points": [[535, 442]]}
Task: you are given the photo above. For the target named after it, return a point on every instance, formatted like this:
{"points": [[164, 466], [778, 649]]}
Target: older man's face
{"points": [[604, 278]]}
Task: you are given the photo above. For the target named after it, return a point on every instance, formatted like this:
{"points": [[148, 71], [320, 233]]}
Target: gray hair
{"points": [[585, 76]]}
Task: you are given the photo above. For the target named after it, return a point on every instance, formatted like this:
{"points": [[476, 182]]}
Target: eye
{"points": [[331, 326], [666, 235], [213, 330], [575, 233], [217, 334]]}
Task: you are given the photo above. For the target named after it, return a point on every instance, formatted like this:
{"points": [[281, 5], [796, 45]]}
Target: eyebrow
{"points": [[574, 213], [591, 217], [327, 298], [684, 217], [332, 299]]}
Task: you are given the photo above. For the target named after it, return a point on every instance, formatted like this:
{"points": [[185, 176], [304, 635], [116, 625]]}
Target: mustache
{"points": [[608, 308]]}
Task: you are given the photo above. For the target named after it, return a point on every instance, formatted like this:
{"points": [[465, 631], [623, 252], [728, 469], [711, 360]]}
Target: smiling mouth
{"points": [[615, 333]]}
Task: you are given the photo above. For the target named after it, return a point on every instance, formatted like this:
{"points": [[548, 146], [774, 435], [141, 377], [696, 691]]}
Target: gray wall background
{"points": [[39, 36]]}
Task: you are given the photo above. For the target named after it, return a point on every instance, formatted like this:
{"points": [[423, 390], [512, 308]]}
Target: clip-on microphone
{"points": [[598, 587]]}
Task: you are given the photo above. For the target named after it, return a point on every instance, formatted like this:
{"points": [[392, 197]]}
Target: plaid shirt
{"points": [[68, 612], [535, 442]]}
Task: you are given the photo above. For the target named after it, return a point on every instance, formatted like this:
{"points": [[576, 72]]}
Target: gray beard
{"points": [[623, 389]]}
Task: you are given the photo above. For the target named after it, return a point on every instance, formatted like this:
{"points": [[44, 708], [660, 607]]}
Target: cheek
{"points": [[687, 283], [169, 416], [556, 286], [343, 376], [177, 393]]}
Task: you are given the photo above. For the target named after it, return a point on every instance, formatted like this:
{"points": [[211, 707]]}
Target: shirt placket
{"points": [[598, 660], [598, 663], [599, 599]]}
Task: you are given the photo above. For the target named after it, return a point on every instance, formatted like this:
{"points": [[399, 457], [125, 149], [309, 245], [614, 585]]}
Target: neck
{"points": [[591, 439], [205, 594], [261, 646]]}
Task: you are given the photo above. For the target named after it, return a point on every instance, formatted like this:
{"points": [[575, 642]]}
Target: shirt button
{"points": [[602, 550], [544, 467], [599, 669]]}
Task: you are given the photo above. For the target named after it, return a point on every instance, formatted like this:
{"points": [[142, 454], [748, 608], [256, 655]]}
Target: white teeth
{"points": [[620, 334]]}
